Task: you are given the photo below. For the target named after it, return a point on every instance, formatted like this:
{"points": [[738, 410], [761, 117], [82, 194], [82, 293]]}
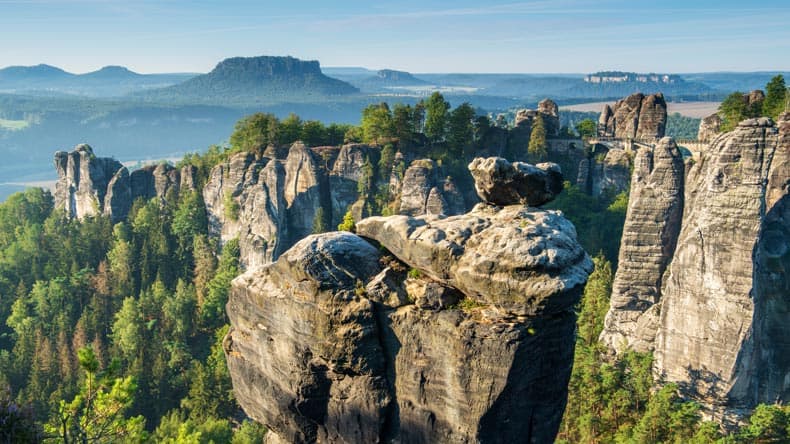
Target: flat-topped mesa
{"points": [[500, 182], [333, 343], [90, 186]]}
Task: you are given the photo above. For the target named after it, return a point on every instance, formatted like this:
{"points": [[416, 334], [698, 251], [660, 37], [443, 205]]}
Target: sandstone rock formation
{"points": [[637, 117], [724, 305], [716, 318], [89, 186], [333, 343], [272, 201], [709, 127], [652, 224], [424, 192], [605, 172], [503, 183]]}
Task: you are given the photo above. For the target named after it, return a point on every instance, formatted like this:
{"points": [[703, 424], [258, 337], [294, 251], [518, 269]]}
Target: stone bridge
{"points": [[695, 147]]}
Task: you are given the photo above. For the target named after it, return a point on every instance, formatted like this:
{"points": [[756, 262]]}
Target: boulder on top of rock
{"points": [[500, 182]]}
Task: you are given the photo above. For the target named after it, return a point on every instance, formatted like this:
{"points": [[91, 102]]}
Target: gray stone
{"points": [[652, 224], [329, 344], [500, 182]]}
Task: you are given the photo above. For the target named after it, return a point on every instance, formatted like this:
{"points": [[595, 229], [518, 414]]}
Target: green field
{"points": [[13, 124]]}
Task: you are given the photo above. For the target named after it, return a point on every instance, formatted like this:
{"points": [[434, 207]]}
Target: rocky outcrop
{"points": [[90, 186], [272, 201], [637, 117], [724, 305], [606, 172], [709, 127], [716, 317], [652, 224], [332, 343], [423, 191], [503, 183]]}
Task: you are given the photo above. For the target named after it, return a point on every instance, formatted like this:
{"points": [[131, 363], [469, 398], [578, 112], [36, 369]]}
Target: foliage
{"points": [[775, 97], [232, 207], [96, 415], [598, 220], [587, 128], [537, 140], [436, 117], [682, 127], [348, 223], [319, 221], [377, 123], [17, 423]]}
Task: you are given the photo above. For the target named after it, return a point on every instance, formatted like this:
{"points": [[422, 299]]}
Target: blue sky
{"points": [[419, 36]]}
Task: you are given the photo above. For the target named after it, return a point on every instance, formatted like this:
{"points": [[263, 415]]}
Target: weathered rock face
{"points": [[550, 113], [270, 203], [422, 191], [716, 318], [89, 186], [652, 224], [503, 183], [605, 173], [635, 117], [331, 343], [709, 128], [725, 301]]}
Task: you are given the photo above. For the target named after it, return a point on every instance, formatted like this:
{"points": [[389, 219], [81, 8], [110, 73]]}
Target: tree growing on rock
{"points": [[537, 140]]}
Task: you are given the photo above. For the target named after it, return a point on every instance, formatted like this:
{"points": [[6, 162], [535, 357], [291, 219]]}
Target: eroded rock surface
{"points": [[716, 317], [90, 186], [503, 183], [637, 117], [652, 224], [709, 127], [332, 343], [422, 191]]}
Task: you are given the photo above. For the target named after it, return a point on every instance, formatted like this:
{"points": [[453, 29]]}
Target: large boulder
{"points": [[333, 343], [500, 182]]}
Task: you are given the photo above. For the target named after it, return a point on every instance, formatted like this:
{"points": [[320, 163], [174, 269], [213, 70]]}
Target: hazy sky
{"points": [[418, 36]]}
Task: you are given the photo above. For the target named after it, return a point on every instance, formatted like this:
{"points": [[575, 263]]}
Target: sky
{"points": [[552, 36]]}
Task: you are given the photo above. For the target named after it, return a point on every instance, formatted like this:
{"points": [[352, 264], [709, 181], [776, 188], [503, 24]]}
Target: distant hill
{"points": [[110, 81], [383, 80], [257, 79]]}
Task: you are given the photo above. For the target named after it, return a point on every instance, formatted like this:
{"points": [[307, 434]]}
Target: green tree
{"points": [[289, 130], [460, 131], [436, 117], [348, 223], [775, 97], [96, 414], [254, 132], [587, 128], [537, 140], [313, 133], [319, 221], [212, 312], [377, 123], [732, 110]]}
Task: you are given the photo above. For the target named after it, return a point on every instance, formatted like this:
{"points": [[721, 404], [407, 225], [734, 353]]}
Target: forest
{"points": [[113, 333]]}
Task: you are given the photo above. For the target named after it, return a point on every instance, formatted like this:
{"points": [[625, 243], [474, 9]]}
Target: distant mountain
{"points": [[33, 74], [110, 81], [256, 79], [391, 77], [112, 73]]}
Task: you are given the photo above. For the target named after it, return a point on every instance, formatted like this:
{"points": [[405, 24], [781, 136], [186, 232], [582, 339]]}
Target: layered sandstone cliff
{"points": [[90, 186], [334, 342], [714, 310], [637, 117], [272, 201]]}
